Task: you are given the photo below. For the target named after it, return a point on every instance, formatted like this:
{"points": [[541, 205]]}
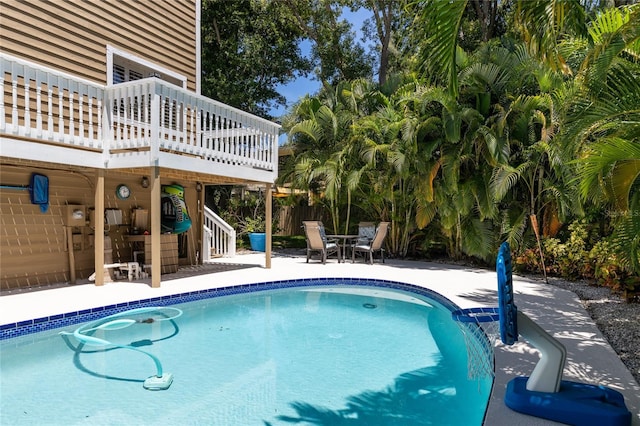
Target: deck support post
{"points": [[156, 207], [99, 228], [268, 205]]}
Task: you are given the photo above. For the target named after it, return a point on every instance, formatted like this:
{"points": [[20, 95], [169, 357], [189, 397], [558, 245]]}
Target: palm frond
{"points": [[497, 146], [542, 24], [425, 213], [613, 165], [307, 127], [486, 206], [626, 241], [504, 177], [514, 223], [443, 24], [477, 238]]}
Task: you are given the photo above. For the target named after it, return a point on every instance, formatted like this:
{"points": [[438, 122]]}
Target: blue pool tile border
{"points": [[23, 328]]}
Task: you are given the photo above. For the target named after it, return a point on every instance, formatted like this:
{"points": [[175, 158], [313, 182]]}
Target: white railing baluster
{"points": [[184, 138], [227, 143], [131, 119], [222, 139], [50, 129], [38, 107], [210, 131], [90, 116], [14, 98], [72, 129], [122, 114], [81, 120], [27, 106], [257, 138], [99, 115], [235, 142], [255, 148], [203, 125], [147, 115], [190, 126], [218, 142], [60, 111], [232, 141], [196, 129], [138, 114], [3, 119]]}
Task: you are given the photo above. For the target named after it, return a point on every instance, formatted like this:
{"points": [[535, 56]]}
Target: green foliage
{"points": [[249, 48], [245, 211], [337, 54], [442, 40], [567, 259], [583, 255], [289, 242], [606, 267]]}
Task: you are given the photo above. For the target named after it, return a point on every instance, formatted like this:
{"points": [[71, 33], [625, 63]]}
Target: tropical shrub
{"points": [[607, 270], [568, 259], [581, 256]]}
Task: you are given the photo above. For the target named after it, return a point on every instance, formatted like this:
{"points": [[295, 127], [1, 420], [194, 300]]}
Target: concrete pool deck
{"points": [[590, 359]]}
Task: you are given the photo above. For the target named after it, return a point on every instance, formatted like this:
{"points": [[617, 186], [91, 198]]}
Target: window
{"points": [[123, 66], [124, 71]]}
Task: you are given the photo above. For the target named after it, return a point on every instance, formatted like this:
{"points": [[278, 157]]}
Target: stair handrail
{"points": [[219, 238]]}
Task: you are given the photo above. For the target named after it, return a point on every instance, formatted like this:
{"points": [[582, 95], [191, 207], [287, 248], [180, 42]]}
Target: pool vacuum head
{"points": [[158, 382]]}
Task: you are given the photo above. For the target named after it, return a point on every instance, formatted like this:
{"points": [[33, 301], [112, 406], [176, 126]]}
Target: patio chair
{"points": [[366, 232], [318, 241], [375, 245]]}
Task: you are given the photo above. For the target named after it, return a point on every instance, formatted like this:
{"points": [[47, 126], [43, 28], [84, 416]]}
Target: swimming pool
{"points": [[294, 352]]}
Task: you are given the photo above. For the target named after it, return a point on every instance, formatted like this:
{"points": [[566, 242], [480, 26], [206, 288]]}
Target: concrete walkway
{"points": [[590, 358]]}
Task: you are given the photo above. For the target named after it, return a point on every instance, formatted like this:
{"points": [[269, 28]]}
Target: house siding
{"points": [[72, 35], [33, 247]]}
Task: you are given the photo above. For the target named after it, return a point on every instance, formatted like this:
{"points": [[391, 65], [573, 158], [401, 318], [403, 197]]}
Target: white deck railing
{"points": [[144, 116], [40, 103], [219, 238]]}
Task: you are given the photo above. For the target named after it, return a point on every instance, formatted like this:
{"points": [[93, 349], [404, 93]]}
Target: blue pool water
{"points": [[334, 355]]}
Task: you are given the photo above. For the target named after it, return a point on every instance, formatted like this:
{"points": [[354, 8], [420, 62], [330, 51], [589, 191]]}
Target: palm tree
{"points": [[603, 125], [319, 132], [387, 146]]}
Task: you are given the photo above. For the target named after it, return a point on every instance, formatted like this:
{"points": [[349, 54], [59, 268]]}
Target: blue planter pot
{"points": [[258, 241]]}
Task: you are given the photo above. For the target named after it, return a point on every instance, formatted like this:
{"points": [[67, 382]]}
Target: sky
{"points": [[309, 85]]}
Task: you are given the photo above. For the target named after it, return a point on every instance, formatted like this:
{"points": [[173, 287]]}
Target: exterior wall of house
{"points": [[34, 245], [73, 35]]}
